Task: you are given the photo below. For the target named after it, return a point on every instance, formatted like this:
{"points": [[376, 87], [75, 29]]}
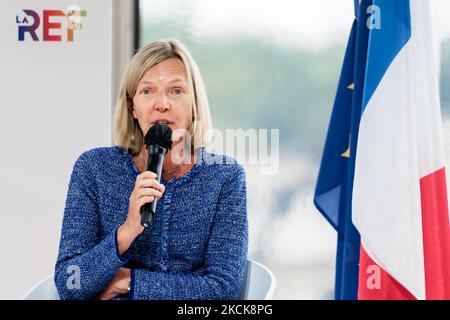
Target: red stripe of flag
{"points": [[436, 235], [376, 284]]}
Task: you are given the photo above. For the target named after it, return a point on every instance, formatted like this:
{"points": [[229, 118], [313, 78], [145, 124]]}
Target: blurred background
{"points": [[275, 65]]}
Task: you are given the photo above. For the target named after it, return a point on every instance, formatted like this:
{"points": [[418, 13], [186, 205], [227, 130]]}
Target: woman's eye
{"points": [[146, 91], [178, 91]]}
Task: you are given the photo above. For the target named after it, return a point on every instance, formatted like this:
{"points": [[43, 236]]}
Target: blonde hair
{"points": [[127, 132]]}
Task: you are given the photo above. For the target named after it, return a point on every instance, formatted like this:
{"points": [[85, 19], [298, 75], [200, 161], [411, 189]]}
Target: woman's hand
{"points": [[146, 189], [118, 285]]}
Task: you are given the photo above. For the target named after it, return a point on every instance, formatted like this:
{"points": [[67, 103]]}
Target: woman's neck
{"points": [[174, 166]]}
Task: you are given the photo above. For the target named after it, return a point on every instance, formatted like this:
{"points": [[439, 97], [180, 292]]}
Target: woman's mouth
{"points": [[167, 122]]}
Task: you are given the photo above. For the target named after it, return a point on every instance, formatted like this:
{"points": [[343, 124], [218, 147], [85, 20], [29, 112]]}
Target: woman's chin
{"points": [[178, 134]]}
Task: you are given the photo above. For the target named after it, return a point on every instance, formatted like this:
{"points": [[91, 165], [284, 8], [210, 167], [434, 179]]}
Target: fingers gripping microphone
{"points": [[158, 141]]}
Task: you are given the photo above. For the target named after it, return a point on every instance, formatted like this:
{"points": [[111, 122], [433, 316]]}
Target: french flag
{"points": [[399, 198], [381, 183]]}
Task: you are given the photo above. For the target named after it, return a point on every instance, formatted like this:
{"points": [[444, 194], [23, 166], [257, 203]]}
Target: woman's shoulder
{"points": [[102, 152], [101, 155]]}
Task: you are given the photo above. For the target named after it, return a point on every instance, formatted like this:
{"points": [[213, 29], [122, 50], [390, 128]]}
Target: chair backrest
{"points": [[259, 282], [44, 290]]}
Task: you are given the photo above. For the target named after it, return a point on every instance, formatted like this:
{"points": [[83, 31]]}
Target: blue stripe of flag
{"points": [[386, 42]]}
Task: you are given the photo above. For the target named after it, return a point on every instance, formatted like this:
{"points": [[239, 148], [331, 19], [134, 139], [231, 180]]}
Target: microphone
{"points": [[158, 141]]}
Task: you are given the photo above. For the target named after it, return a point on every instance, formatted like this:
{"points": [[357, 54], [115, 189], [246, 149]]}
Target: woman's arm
{"points": [[84, 265], [225, 259]]}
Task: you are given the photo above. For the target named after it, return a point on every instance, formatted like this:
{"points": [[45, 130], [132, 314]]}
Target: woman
{"points": [[196, 247]]}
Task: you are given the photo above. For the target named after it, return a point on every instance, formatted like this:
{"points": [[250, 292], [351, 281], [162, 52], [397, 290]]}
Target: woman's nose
{"points": [[161, 102]]}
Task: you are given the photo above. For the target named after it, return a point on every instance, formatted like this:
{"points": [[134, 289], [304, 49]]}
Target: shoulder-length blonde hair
{"points": [[127, 132]]}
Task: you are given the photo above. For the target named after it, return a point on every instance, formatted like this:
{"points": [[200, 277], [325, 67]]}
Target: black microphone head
{"points": [[159, 134]]}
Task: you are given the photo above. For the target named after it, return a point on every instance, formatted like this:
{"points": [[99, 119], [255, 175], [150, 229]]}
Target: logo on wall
{"points": [[51, 30]]}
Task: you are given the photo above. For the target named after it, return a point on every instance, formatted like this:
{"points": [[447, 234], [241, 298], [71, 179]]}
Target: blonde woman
{"points": [[196, 247]]}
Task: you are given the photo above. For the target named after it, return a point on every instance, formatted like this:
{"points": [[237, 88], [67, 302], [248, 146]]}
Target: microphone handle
{"points": [[156, 155]]}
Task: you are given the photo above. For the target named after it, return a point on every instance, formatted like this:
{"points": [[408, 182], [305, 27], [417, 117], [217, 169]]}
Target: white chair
{"points": [[44, 290], [259, 282]]}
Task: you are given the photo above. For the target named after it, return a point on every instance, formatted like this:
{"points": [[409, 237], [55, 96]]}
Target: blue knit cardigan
{"points": [[196, 247]]}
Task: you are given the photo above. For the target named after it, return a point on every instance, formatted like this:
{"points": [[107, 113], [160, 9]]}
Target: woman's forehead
{"points": [[169, 70]]}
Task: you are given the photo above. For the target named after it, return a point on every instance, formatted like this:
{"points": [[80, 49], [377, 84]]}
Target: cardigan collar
{"points": [[202, 159]]}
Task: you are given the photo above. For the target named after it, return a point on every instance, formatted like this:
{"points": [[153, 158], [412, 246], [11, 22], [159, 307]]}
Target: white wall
{"points": [[55, 103]]}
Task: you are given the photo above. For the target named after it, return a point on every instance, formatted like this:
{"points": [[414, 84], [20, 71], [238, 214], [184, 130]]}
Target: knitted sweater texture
{"points": [[196, 247]]}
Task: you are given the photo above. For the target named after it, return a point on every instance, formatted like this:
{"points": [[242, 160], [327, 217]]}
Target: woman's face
{"points": [[162, 97]]}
